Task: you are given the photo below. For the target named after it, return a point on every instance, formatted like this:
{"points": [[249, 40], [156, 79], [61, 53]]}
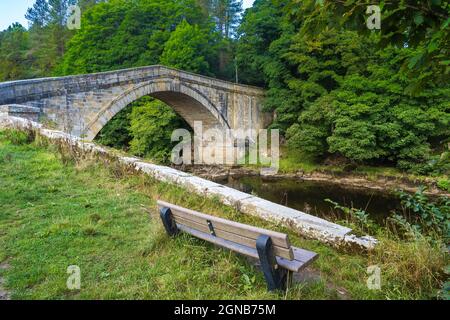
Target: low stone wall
{"points": [[304, 224]]}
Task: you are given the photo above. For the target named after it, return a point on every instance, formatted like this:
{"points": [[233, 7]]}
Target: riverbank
{"points": [[362, 180], [59, 211]]}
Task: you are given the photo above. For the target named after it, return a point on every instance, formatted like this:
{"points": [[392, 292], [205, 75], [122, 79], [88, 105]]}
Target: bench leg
{"points": [[168, 222], [289, 279], [275, 276]]}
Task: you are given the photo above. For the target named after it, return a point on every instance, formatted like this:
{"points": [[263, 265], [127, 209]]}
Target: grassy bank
{"points": [[55, 213], [291, 162]]}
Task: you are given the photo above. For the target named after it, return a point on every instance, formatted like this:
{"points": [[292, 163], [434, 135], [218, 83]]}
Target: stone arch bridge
{"points": [[82, 105]]}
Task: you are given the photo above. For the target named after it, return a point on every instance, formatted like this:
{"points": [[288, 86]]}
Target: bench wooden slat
{"points": [[278, 239], [304, 256], [292, 265], [203, 227]]}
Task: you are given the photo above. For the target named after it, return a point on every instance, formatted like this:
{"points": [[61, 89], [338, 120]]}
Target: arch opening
{"points": [[186, 101], [131, 119]]}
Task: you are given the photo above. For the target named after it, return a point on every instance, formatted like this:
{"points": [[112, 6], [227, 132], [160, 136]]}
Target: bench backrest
{"points": [[229, 230]]}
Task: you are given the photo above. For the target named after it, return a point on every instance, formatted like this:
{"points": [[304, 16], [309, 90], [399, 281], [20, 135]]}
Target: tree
{"points": [[422, 25], [226, 15], [36, 52], [14, 59], [86, 4], [188, 48], [261, 25], [152, 124], [124, 34], [49, 33]]}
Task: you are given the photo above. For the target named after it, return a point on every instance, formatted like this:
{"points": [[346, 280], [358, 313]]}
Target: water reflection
{"points": [[309, 196]]}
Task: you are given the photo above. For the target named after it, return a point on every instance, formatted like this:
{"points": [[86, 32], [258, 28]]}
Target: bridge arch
{"points": [[187, 101]]}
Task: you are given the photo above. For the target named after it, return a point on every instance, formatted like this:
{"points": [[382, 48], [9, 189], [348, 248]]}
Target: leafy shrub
{"points": [[20, 137], [430, 218], [152, 124], [116, 133], [357, 217], [444, 184]]}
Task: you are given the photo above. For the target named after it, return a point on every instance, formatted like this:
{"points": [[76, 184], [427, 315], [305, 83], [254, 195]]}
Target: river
{"points": [[309, 196]]}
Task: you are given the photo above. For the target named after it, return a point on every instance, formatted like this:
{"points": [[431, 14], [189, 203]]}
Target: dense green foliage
{"points": [[143, 128], [421, 218], [14, 46], [151, 125], [38, 51], [189, 49], [369, 117], [123, 34], [420, 24], [119, 34], [338, 94]]}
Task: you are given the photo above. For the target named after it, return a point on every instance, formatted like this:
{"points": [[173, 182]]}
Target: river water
{"points": [[309, 196]]}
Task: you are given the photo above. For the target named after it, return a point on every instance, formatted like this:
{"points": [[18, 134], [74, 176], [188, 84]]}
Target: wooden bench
{"points": [[277, 257]]}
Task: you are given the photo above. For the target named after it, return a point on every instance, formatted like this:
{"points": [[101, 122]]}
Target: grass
{"points": [[55, 213], [293, 162]]}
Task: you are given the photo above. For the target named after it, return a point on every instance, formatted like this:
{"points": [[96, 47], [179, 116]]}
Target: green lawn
{"points": [[105, 221]]}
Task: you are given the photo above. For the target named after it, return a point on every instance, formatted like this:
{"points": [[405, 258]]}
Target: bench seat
{"points": [[302, 258], [272, 248]]}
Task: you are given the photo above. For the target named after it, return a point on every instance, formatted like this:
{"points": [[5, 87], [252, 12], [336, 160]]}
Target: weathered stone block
{"points": [[21, 111]]}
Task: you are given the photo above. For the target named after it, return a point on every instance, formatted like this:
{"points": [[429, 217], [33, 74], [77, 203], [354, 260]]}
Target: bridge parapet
{"points": [[26, 90]]}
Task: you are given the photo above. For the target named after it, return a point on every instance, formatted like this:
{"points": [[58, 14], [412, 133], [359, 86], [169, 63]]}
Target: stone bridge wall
{"points": [[82, 105]]}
